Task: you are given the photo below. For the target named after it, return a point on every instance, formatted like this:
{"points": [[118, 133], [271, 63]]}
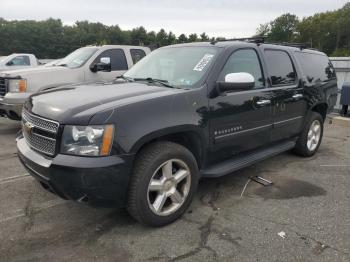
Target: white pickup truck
{"points": [[87, 64], [18, 61]]}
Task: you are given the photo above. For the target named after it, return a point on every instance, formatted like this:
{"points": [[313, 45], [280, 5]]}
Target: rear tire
{"points": [[311, 137], [163, 183]]}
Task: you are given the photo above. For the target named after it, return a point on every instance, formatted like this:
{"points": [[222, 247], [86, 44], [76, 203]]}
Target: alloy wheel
{"points": [[314, 135], [169, 187]]}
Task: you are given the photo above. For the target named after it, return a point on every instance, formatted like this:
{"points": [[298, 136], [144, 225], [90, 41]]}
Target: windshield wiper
{"points": [[125, 78], [65, 65], [154, 80]]}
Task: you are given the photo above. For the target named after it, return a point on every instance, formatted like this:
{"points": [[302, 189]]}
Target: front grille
{"points": [[39, 133], [44, 124], [3, 86]]}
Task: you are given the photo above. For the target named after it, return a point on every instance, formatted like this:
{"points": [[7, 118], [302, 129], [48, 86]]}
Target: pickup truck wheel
{"points": [[310, 139], [163, 183]]}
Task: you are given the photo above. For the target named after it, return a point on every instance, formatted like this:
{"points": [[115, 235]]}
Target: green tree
{"points": [[182, 38], [193, 38], [204, 37], [162, 38], [139, 36], [283, 28], [171, 38], [151, 38], [263, 29], [327, 31]]}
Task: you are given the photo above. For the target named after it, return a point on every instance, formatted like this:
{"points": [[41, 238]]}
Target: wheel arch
{"points": [[190, 138], [321, 108]]}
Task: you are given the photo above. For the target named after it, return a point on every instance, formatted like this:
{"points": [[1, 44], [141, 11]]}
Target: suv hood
{"points": [[76, 104]]}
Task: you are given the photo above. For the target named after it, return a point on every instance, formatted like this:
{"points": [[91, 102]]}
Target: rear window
{"points": [[316, 67], [137, 55], [280, 67]]}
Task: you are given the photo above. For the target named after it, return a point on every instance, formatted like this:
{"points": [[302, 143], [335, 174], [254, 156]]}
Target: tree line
{"points": [[328, 32], [51, 39]]}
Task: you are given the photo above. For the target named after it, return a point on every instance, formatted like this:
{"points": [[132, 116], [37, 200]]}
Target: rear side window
{"points": [[280, 67], [316, 67], [137, 55], [118, 59]]}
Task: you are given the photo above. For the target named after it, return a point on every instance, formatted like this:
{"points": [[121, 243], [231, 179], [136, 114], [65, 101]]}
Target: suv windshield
{"points": [[78, 57], [177, 66]]}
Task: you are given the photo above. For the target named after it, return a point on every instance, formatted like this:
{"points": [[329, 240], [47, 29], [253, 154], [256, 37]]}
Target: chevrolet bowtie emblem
{"points": [[28, 127]]}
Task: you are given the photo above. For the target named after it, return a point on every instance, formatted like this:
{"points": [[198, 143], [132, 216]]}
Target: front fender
{"points": [[141, 122], [167, 132]]}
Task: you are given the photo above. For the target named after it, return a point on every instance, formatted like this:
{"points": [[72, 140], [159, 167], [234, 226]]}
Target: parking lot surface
{"points": [[303, 216]]}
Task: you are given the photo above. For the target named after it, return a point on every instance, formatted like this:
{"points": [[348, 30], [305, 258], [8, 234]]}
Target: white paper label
{"points": [[203, 62]]}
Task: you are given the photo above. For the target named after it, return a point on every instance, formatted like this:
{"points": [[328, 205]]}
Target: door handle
{"points": [[296, 96], [263, 102]]}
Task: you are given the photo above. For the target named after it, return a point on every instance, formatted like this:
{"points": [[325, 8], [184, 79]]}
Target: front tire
{"points": [[311, 137], [163, 183]]}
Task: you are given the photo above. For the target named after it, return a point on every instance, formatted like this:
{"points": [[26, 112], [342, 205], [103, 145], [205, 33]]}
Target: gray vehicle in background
{"points": [[87, 64]]}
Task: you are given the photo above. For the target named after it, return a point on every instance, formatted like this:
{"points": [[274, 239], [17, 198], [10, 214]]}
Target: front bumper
{"points": [[12, 111], [95, 180], [11, 105]]}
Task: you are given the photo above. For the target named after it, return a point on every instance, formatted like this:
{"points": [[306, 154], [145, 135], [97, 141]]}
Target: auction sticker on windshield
{"points": [[203, 62]]}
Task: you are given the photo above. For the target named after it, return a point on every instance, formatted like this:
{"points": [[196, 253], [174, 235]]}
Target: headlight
{"points": [[17, 85], [87, 140]]}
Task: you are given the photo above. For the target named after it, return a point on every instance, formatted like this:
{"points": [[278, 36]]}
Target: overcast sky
{"points": [[228, 18]]}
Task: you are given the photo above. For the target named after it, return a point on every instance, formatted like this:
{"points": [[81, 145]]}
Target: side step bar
{"points": [[239, 162]]}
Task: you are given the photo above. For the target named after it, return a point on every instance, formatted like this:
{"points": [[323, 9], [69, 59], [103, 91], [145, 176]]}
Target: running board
{"points": [[239, 162]]}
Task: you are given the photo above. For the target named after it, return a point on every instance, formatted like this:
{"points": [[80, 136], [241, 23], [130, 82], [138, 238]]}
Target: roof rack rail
{"points": [[257, 40], [261, 40], [298, 45]]}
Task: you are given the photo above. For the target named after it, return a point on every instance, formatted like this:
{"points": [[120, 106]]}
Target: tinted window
{"points": [[137, 55], [117, 57], [280, 67], [316, 67], [244, 61], [20, 61]]}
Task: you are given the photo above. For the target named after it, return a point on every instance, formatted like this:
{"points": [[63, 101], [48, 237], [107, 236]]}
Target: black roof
{"points": [[228, 43]]}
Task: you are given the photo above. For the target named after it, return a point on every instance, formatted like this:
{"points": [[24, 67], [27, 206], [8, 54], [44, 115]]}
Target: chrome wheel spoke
{"points": [[165, 195], [309, 135], [176, 197], [314, 135], [180, 175], [316, 129], [309, 144], [156, 185], [167, 169], [159, 202]]}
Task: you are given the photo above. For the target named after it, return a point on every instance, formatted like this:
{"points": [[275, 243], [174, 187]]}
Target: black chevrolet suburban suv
{"points": [[182, 113]]}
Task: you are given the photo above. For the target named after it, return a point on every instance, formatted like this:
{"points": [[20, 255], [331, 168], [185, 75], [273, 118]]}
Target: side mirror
{"points": [[10, 63], [236, 82], [104, 65]]}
